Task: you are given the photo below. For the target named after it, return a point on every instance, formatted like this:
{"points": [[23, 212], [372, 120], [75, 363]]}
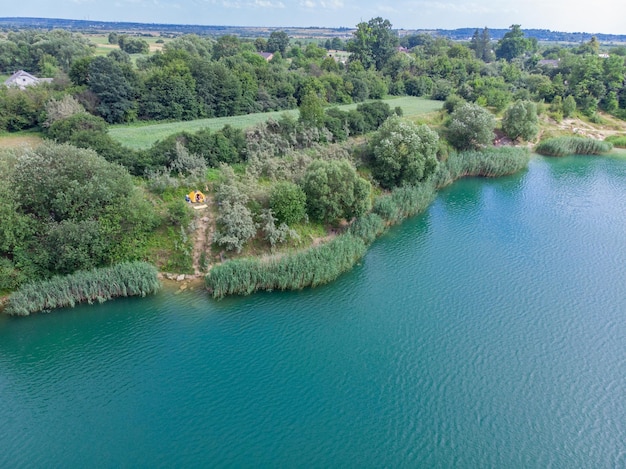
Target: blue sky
{"points": [[600, 16]]}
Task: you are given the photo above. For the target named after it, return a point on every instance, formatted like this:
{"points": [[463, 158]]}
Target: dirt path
{"points": [[203, 233]]}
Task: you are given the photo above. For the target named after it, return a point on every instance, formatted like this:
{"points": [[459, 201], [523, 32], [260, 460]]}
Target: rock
{"points": [[170, 276], [180, 278]]}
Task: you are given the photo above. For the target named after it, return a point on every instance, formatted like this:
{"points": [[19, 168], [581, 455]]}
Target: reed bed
{"points": [[97, 285], [404, 202], [564, 146], [315, 266], [489, 162], [618, 141]]}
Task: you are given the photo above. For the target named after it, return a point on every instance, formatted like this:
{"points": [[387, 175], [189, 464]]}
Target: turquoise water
{"points": [[488, 332]]}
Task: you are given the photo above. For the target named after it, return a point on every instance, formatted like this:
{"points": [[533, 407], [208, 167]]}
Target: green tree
{"points": [[514, 44], [335, 191], [288, 202], [278, 42], [481, 45], [403, 153], [87, 212], [520, 121], [569, 106], [373, 44], [226, 46], [471, 126], [312, 110], [115, 86], [169, 93], [133, 45]]}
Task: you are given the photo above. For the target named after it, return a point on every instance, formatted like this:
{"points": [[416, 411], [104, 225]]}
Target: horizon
{"points": [[605, 18]]}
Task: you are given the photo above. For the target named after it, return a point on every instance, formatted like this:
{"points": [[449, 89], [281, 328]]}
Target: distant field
{"points": [[19, 140], [140, 136], [103, 47]]}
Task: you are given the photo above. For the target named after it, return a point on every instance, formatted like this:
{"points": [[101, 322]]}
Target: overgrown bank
{"points": [[97, 285], [323, 264]]}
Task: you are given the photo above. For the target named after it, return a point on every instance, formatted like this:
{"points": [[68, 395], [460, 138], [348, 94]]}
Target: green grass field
{"points": [[143, 135]]}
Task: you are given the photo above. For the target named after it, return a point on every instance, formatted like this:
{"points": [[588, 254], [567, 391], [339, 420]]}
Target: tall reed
{"points": [[488, 162], [315, 266], [126, 279], [563, 146]]}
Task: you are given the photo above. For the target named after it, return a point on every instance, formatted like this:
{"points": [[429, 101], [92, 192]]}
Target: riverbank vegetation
{"points": [[96, 285], [322, 264], [331, 172], [563, 146]]}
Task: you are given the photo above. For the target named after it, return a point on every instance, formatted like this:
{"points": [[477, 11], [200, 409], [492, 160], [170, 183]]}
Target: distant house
{"points": [[402, 49], [266, 55], [604, 56], [22, 79]]}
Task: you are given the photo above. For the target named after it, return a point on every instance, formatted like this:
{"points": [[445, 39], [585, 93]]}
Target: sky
{"points": [[600, 16]]}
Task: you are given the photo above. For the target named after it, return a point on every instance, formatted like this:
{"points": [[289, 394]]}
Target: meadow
{"points": [[142, 135]]}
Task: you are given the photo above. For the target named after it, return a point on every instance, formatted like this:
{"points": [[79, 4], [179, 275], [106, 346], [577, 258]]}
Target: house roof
{"points": [[22, 79], [266, 55]]}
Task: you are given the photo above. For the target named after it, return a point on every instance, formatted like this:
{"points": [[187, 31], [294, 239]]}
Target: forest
{"points": [[313, 188]]}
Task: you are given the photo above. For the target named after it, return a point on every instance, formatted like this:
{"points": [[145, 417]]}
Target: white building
{"points": [[22, 79]]}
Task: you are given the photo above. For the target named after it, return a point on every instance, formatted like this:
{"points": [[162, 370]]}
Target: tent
{"points": [[195, 197]]}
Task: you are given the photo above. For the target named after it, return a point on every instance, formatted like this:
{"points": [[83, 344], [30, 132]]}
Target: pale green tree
{"points": [[403, 152]]}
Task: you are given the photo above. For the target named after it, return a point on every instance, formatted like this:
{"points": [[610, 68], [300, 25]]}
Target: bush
{"points": [[520, 121], [374, 114], [62, 130], [471, 127], [288, 202], [335, 191], [126, 279], [563, 146], [403, 153], [315, 266]]}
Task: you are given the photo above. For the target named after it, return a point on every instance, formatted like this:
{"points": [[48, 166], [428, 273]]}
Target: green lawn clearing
{"points": [[143, 135]]}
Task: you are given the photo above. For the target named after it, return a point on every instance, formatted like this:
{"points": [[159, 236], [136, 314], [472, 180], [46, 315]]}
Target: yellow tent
{"points": [[196, 196]]}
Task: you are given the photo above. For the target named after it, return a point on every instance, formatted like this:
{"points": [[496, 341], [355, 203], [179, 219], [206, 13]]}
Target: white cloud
{"points": [[322, 4]]}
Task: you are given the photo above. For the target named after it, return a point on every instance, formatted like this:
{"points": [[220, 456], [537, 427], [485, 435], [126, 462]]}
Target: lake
{"points": [[489, 331]]}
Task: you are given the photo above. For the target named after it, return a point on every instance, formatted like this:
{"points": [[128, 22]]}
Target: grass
{"points": [[20, 140], [618, 141], [143, 134]]}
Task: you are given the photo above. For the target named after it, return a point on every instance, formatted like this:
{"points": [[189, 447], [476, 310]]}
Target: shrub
{"points": [[563, 146], [288, 202], [335, 191], [471, 127], [126, 279], [403, 153], [520, 121]]}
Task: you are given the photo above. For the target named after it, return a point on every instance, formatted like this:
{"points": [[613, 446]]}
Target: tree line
{"points": [[196, 77]]}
